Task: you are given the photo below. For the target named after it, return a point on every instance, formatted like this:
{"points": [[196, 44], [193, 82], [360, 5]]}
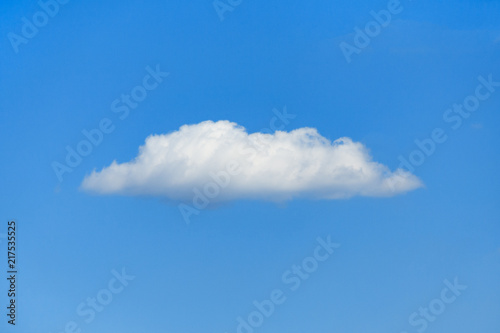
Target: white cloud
{"points": [[278, 166]]}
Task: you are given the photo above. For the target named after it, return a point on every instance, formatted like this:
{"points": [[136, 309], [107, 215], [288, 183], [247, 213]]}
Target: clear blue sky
{"points": [[395, 251]]}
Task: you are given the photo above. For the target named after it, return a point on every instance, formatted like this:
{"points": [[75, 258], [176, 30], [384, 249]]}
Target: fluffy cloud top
{"points": [[223, 161]]}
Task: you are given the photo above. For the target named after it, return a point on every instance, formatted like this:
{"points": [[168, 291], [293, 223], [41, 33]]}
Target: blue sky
{"points": [[395, 252]]}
